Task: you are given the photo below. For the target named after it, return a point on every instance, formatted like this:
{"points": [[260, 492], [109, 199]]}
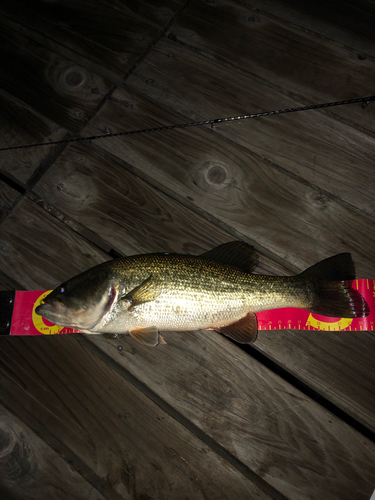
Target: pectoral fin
{"points": [[244, 331], [145, 292], [148, 336]]}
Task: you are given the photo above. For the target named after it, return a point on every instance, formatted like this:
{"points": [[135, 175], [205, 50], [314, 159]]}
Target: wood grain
{"points": [[283, 56], [318, 149], [8, 196], [129, 213], [105, 37], [39, 264], [300, 186], [129, 445], [30, 469], [320, 360], [345, 358], [348, 24], [8, 283], [22, 125], [289, 440], [50, 84], [275, 211]]}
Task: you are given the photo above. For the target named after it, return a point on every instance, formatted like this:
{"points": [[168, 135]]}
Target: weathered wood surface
{"points": [[43, 98], [285, 437], [129, 213], [203, 376], [31, 254], [284, 57], [337, 365], [132, 217], [311, 145], [107, 37], [8, 197], [121, 442], [20, 124], [275, 211], [30, 469], [299, 186], [50, 84], [348, 24]]}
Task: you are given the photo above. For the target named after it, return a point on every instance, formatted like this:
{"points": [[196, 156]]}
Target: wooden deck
{"points": [[293, 416]]}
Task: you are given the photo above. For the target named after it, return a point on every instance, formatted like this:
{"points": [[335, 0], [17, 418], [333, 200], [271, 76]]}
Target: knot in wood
{"points": [[72, 78], [215, 174]]}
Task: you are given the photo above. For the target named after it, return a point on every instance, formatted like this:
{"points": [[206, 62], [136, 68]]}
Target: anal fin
{"points": [[244, 331], [148, 336]]}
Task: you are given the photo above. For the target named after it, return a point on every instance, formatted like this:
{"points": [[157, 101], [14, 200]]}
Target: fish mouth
{"points": [[53, 312], [42, 309], [49, 307]]}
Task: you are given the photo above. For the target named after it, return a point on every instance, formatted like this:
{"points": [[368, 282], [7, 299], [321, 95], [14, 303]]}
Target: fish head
{"points": [[82, 301]]}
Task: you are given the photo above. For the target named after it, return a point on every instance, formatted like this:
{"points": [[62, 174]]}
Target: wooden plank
{"points": [[312, 146], [83, 174], [20, 125], [337, 365], [51, 85], [285, 437], [8, 197], [271, 209], [30, 469], [130, 214], [255, 415], [8, 283], [347, 23], [105, 37], [26, 227], [282, 56], [132, 448]]}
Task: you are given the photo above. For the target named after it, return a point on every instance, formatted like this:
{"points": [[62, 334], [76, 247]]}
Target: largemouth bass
{"points": [[144, 294]]}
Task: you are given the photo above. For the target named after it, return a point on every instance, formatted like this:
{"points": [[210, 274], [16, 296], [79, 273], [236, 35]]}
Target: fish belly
{"points": [[177, 313]]}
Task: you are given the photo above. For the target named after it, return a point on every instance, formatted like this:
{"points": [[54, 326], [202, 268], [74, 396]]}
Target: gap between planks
{"points": [[166, 407]]}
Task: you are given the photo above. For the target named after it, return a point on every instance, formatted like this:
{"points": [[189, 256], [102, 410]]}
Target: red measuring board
{"points": [[26, 322]]}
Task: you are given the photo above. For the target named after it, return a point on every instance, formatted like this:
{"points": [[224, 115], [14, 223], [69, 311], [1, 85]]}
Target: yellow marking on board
{"points": [[38, 320], [341, 324]]}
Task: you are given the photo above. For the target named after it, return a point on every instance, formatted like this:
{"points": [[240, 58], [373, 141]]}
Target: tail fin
{"points": [[335, 296], [339, 300], [337, 268]]}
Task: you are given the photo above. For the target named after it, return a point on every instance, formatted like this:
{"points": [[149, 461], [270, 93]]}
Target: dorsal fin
{"points": [[235, 253]]}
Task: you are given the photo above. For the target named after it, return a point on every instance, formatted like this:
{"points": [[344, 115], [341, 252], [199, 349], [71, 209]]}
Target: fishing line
{"points": [[364, 100]]}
